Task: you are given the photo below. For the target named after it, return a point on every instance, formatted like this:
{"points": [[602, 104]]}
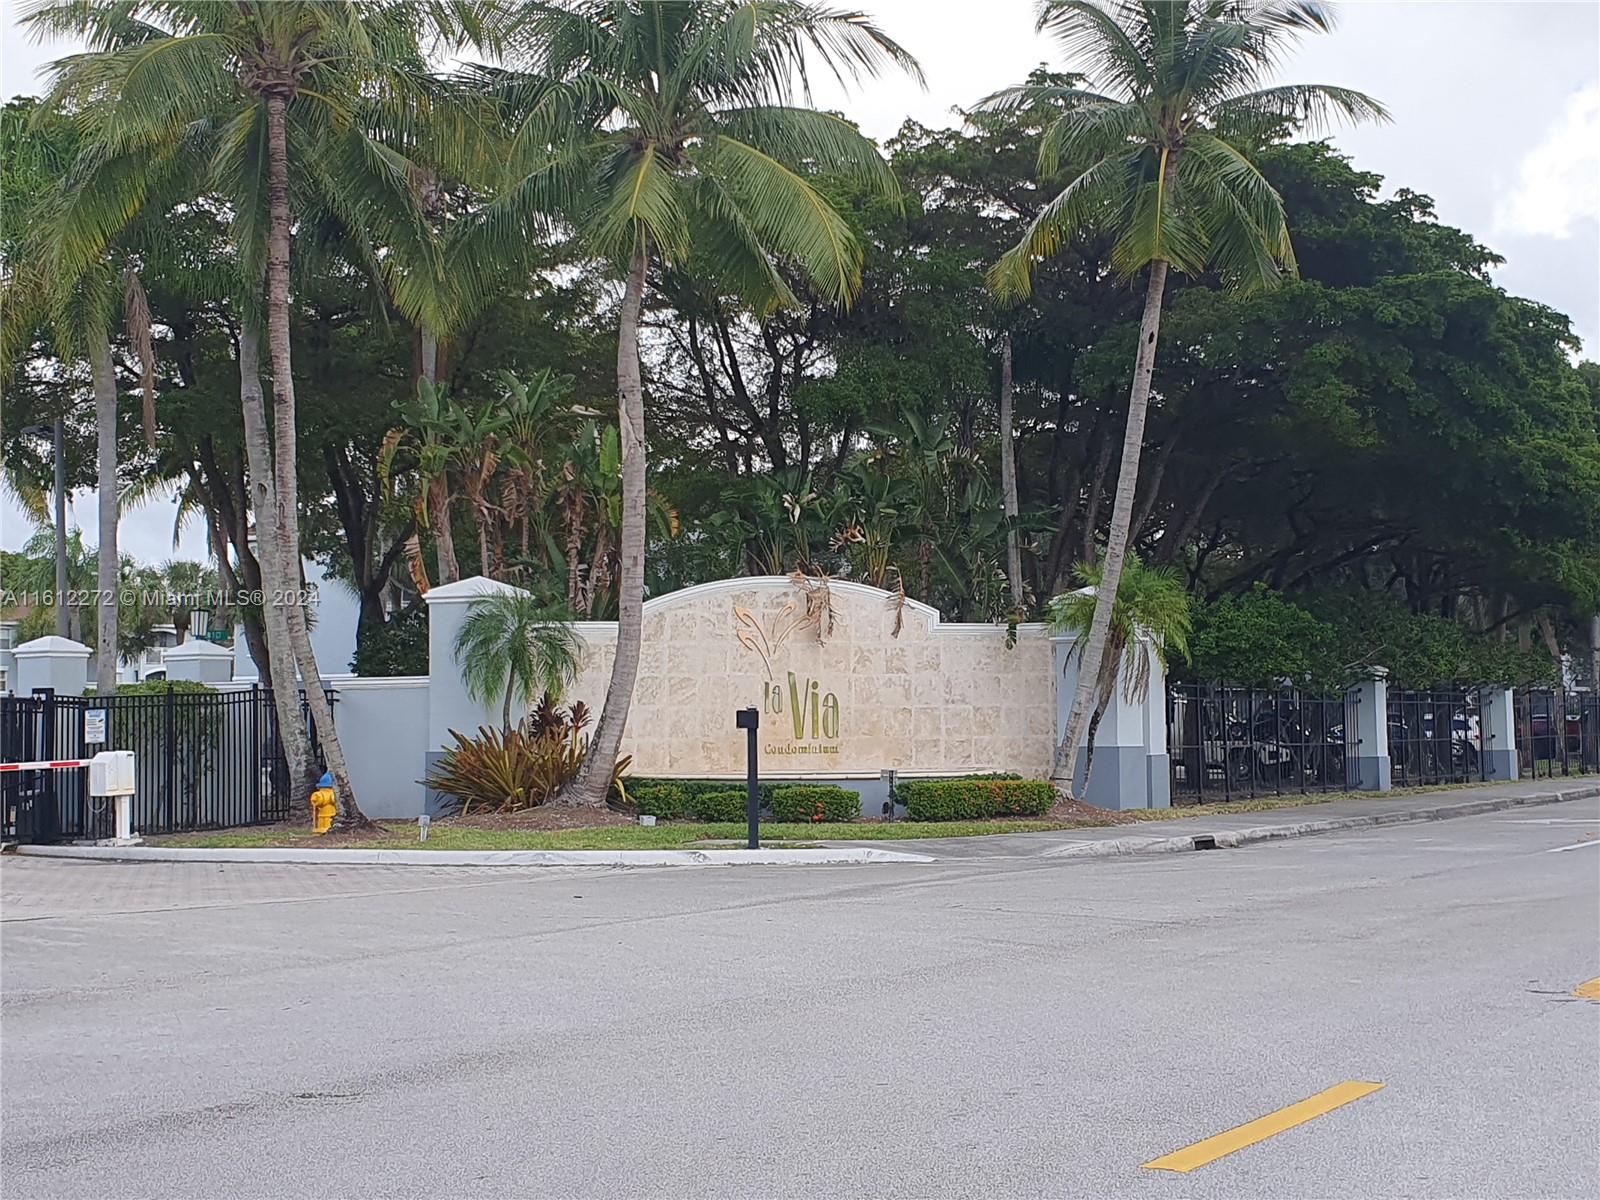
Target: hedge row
{"points": [[974, 799], [691, 799], [815, 803]]}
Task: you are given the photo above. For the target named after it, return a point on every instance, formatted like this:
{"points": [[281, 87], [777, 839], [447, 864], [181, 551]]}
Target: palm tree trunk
{"points": [[429, 353], [285, 520], [281, 674], [594, 779], [1121, 518], [1088, 740], [1008, 475], [104, 380], [66, 616], [1594, 650]]}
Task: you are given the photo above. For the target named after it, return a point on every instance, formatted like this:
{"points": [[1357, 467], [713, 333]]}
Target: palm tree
{"points": [[665, 130], [89, 224], [1151, 601], [1162, 162], [514, 648], [271, 84]]}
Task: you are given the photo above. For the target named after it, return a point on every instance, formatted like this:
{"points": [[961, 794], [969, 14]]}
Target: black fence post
{"points": [[170, 759], [49, 818], [255, 759]]}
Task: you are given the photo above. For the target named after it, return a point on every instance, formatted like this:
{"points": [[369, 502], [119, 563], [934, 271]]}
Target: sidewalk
{"points": [[1225, 830]]}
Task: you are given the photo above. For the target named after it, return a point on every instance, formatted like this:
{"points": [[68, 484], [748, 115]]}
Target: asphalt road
{"points": [[1014, 1027]]}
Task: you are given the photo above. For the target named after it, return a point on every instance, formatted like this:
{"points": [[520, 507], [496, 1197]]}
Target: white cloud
{"points": [[1558, 182]]}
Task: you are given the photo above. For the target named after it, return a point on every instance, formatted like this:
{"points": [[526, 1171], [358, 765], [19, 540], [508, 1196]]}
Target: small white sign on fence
{"points": [[94, 726]]}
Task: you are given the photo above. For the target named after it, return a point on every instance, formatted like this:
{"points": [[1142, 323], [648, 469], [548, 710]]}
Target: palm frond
{"points": [[793, 219], [1313, 106], [1088, 201], [638, 194]]}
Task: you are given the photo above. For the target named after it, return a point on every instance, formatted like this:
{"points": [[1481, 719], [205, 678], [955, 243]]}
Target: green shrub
{"points": [[398, 646], [663, 801], [726, 805], [815, 803], [974, 799], [692, 789]]}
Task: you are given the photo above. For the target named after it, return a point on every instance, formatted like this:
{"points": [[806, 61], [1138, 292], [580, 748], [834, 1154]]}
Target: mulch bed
{"points": [[1065, 809], [545, 817]]}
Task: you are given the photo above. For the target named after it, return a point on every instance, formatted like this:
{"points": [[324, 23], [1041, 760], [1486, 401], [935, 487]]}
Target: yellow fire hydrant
{"points": [[323, 805]]}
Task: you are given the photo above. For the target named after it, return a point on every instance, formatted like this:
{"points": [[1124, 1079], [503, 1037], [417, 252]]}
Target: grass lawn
{"points": [[402, 835], [674, 836]]}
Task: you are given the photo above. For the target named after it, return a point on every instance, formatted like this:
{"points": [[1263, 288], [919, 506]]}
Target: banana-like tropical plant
{"points": [[1160, 159], [537, 415], [663, 130], [426, 437]]}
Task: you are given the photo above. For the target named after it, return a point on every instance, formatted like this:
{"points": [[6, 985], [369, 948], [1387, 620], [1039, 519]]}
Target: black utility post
{"points": [[749, 720]]}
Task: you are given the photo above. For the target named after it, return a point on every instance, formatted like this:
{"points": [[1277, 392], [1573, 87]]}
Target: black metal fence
{"points": [[202, 761], [1230, 743], [1558, 731], [1435, 737]]}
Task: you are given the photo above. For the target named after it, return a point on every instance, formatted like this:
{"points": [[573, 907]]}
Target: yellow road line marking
{"points": [[1588, 991], [1213, 1148]]}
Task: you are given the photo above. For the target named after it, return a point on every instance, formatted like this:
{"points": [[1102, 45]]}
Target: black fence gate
{"points": [[209, 760], [1558, 731], [1230, 743], [1435, 737]]}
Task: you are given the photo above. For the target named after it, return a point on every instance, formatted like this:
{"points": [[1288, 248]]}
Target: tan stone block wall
{"points": [[936, 699]]}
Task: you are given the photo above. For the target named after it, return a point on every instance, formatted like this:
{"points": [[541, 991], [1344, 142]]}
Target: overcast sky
{"points": [[1496, 116]]}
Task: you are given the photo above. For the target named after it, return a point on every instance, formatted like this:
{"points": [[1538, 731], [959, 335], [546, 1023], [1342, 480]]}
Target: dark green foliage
{"points": [[397, 647], [663, 801], [727, 805], [1419, 650], [160, 687], [815, 803], [1259, 639], [1329, 640], [974, 799], [141, 721], [693, 799]]}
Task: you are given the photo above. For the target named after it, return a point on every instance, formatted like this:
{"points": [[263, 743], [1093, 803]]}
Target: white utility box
{"points": [[111, 773]]}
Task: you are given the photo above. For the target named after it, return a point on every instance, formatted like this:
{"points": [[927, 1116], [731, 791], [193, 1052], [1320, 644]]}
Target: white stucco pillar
{"points": [[58, 663], [1130, 768], [199, 662], [1367, 713], [1497, 733], [449, 705]]}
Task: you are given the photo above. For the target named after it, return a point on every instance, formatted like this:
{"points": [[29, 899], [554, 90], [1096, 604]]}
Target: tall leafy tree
{"points": [[1162, 159], [677, 143], [83, 195], [286, 93]]}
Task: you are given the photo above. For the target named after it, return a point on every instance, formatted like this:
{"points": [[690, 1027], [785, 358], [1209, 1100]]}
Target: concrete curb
{"points": [[482, 858], [1232, 838]]}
